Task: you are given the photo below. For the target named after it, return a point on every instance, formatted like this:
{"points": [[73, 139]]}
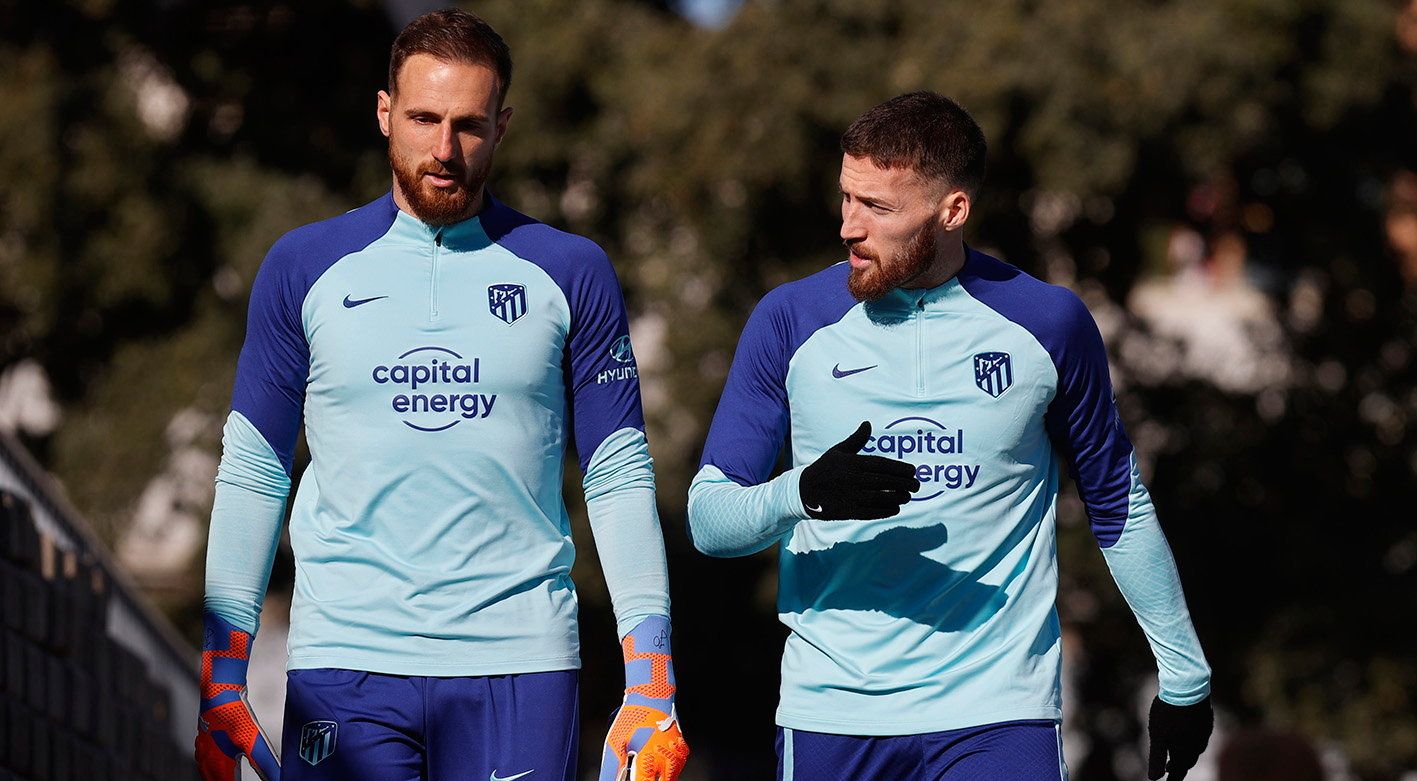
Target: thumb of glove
{"points": [[853, 444]]}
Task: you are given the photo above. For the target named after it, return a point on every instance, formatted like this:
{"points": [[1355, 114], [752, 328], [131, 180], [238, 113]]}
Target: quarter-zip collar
{"points": [[465, 236], [901, 302]]}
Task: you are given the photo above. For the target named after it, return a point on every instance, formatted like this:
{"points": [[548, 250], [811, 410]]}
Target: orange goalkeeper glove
{"points": [[226, 728], [644, 743]]}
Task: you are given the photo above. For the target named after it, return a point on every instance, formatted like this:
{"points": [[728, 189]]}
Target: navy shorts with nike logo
{"points": [[1013, 750], [359, 726]]}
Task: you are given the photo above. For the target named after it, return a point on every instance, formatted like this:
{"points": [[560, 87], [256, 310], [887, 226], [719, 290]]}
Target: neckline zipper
{"points": [[920, 348], [433, 283]]}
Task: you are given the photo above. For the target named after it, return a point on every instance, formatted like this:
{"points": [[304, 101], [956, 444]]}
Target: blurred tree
{"points": [[106, 251]]}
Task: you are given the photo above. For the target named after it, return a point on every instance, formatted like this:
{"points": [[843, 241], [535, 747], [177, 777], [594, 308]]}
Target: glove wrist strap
{"points": [[226, 655], [649, 666]]}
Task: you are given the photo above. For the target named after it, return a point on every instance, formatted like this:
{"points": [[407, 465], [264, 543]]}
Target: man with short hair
{"points": [[918, 563], [440, 349]]}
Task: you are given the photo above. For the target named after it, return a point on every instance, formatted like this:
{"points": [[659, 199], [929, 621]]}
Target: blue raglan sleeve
{"points": [[607, 420], [258, 445], [1086, 429], [734, 508]]}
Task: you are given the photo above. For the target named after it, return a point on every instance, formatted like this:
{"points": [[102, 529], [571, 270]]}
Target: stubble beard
{"points": [[881, 277], [438, 205]]}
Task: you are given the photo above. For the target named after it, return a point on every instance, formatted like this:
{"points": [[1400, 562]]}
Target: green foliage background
{"points": [[705, 162]]}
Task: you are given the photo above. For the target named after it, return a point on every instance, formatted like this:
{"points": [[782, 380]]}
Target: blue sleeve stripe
{"points": [[750, 424], [274, 366], [602, 378], [1082, 420]]}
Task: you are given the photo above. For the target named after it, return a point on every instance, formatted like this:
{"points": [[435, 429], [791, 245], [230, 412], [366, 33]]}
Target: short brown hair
{"points": [[453, 35], [924, 131]]}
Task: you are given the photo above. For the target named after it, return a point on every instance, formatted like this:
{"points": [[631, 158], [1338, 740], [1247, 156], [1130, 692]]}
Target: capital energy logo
{"points": [[936, 451], [435, 388], [621, 353]]}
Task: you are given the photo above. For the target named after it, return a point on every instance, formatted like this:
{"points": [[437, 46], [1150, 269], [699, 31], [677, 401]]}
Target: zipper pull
{"points": [[438, 237]]}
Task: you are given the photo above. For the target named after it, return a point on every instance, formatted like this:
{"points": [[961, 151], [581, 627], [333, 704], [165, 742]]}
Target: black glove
{"points": [[1178, 731], [844, 485]]}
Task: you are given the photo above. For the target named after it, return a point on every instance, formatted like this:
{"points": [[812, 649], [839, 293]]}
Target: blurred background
{"points": [[1230, 185]]}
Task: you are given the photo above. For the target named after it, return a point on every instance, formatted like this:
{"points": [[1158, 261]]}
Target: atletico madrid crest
{"points": [[507, 302], [993, 373], [317, 741]]}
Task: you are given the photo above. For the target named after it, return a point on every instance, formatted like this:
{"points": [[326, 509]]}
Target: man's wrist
{"points": [[1182, 699], [226, 654], [650, 636], [792, 508], [649, 664]]}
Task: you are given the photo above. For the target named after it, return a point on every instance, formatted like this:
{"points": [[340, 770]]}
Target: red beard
{"points": [[881, 277], [438, 205]]}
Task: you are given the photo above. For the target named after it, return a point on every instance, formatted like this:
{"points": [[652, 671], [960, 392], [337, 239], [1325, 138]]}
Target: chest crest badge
{"points": [[993, 373], [507, 302]]}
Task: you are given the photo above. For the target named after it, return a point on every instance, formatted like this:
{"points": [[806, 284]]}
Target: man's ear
{"points": [[503, 117], [954, 210], [384, 112]]}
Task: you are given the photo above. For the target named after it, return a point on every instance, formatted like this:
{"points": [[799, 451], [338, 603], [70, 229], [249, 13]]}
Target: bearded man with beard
{"points": [[918, 567], [441, 352]]}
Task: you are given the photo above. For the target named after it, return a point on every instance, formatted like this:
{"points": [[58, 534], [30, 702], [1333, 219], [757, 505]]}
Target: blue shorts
{"points": [[1013, 750], [359, 726]]}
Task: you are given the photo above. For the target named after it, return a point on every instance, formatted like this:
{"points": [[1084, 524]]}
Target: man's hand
{"points": [[226, 728], [644, 743], [844, 485], [1179, 732]]}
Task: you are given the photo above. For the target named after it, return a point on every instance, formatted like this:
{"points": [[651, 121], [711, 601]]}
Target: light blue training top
{"points": [[439, 374], [942, 617]]}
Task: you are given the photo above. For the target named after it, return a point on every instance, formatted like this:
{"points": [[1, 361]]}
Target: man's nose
{"points": [[447, 148], [853, 228]]}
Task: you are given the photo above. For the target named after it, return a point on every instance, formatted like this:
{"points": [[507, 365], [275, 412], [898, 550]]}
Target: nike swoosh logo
{"points": [[812, 509], [350, 303], [838, 373], [496, 777]]}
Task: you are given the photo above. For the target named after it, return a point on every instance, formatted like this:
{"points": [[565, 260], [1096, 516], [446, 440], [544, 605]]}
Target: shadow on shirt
{"points": [[889, 574]]}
